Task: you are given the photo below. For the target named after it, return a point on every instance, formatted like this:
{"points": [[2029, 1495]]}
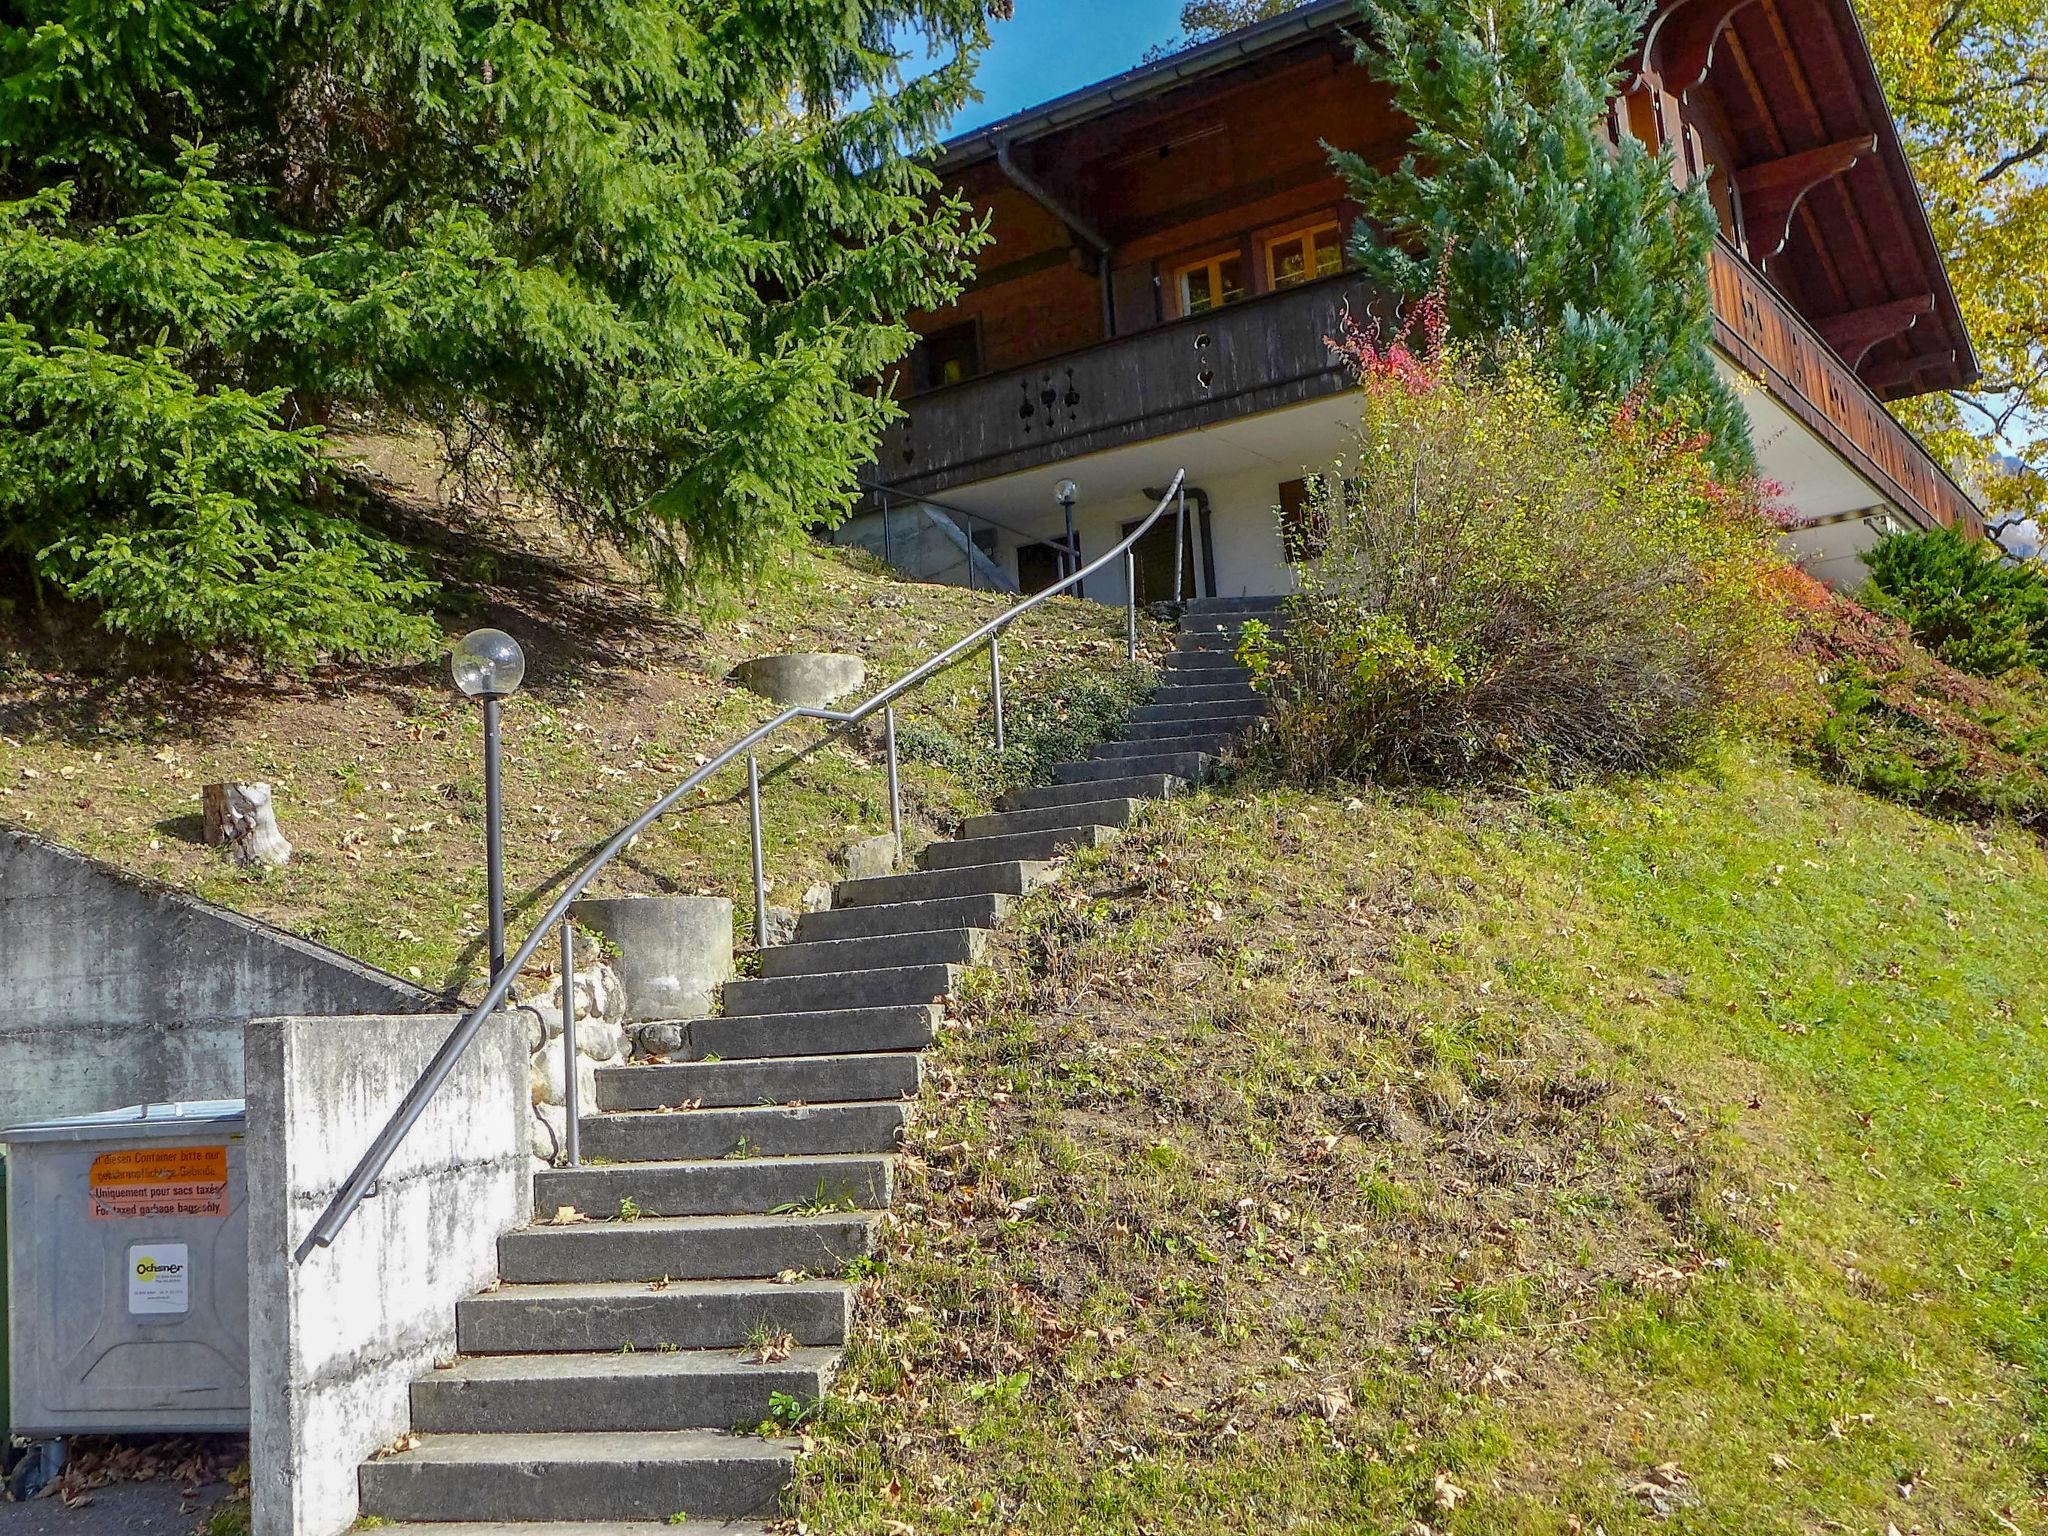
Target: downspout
{"points": [[1086, 233]]}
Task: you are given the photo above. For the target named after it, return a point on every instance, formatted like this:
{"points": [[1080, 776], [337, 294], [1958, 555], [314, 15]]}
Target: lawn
{"points": [[378, 772], [1659, 1155]]}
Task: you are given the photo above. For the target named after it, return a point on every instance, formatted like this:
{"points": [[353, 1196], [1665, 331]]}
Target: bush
{"points": [[1962, 599], [1499, 585], [1896, 722]]}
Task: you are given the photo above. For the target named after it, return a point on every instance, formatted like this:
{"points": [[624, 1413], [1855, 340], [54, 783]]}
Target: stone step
{"points": [[572, 1528], [1260, 604], [821, 1032], [902, 917], [1017, 878], [884, 951], [1227, 624], [1208, 713], [718, 1186], [1206, 665], [764, 1080], [1051, 843], [841, 989], [1191, 766], [1140, 786], [1217, 642], [595, 1316], [1188, 736], [579, 1477], [812, 1129], [1079, 813], [685, 1248], [1143, 733], [1206, 693], [616, 1393]]}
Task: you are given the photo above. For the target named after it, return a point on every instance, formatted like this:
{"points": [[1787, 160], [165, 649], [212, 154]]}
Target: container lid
{"points": [[193, 1117]]}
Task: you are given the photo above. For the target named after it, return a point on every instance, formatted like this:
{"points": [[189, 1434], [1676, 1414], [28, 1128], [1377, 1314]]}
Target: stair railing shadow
{"points": [[374, 1160]]}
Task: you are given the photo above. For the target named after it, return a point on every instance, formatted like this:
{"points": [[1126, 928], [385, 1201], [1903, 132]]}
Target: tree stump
{"points": [[240, 817]]}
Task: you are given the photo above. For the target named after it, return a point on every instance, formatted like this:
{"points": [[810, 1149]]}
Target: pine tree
{"points": [[639, 255], [1544, 229]]}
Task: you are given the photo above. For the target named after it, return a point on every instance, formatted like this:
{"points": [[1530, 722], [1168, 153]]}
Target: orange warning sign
{"points": [[158, 1181]]}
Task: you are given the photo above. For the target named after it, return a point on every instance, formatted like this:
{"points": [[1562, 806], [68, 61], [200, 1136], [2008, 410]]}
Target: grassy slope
{"points": [[1669, 1154], [378, 772]]}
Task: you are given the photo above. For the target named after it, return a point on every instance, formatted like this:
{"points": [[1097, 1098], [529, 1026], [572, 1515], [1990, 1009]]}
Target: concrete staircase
{"points": [[601, 1381]]}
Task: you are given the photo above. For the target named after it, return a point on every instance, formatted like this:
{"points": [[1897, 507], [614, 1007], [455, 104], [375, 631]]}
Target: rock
{"points": [[550, 1068], [812, 678], [656, 1039], [240, 816], [550, 1128], [600, 1040], [871, 856], [818, 898], [781, 925], [670, 954]]}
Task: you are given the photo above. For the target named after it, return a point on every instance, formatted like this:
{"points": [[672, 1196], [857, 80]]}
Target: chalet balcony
{"points": [[1756, 327], [1236, 361]]}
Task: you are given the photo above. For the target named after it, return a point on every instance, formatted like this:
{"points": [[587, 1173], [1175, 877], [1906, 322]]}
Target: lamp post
{"points": [[488, 665], [1064, 494]]}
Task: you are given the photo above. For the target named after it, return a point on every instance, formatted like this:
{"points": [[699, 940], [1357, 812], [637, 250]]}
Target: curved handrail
{"points": [[373, 1161]]}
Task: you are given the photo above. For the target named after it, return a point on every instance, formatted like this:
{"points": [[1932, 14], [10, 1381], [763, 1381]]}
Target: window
{"points": [[1303, 254], [948, 357], [1210, 284]]}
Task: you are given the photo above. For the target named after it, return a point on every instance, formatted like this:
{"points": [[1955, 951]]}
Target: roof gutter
{"points": [[1080, 228], [1194, 63]]}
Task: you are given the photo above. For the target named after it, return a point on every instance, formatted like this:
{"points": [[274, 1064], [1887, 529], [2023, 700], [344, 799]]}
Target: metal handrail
{"points": [[367, 1170]]}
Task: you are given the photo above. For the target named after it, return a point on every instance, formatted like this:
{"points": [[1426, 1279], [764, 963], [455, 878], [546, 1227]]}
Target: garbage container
{"points": [[127, 1244]]}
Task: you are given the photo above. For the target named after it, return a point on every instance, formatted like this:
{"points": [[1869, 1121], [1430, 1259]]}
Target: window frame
{"points": [[1212, 264], [1306, 233]]}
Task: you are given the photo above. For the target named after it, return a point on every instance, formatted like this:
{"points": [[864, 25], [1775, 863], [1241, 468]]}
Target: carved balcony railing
{"points": [[1237, 361], [1805, 375]]}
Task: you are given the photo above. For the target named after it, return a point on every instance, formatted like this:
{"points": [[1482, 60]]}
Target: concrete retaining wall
{"points": [[336, 1341], [117, 990]]}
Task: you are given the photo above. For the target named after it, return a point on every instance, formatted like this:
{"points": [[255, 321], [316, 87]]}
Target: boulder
{"points": [[871, 856]]}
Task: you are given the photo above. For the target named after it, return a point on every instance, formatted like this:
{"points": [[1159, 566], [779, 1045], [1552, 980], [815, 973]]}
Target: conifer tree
{"points": [[639, 255], [1586, 249]]}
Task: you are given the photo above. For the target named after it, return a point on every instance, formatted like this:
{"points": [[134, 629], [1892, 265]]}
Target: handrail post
{"points": [[995, 684], [1181, 549], [895, 784], [1130, 605], [572, 1107], [888, 543], [494, 839], [754, 827]]}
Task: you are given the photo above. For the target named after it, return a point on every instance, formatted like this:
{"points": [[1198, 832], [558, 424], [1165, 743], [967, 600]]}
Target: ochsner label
{"points": [[159, 1279]]}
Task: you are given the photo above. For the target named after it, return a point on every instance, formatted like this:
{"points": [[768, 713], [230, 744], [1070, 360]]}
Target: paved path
{"points": [[119, 1509]]}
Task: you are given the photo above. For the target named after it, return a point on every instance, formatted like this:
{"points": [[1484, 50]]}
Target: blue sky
{"points": [[1051, 47]]}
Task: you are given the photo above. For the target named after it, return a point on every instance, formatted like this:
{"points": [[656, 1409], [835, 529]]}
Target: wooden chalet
{"points": [[1168, 257]]}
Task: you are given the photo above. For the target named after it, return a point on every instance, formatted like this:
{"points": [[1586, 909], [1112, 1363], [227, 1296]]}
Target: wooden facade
{"points": [[1123, 213]]}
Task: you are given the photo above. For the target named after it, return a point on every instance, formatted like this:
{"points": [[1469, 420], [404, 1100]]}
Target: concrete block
{"points": [[600, 1316], [570, 1477], [763, 1131], [614, 1393], [338, 1338], [671, 952], [686, 1248], [813, 678], [771, 1080], [947, 946]]}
